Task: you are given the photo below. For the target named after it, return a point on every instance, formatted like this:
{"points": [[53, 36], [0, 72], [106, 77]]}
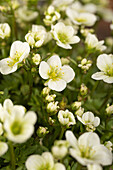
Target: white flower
{"points": [[37, 36], [19, 51], [3, 148], [51, 15], [20, 126], [64, 35], [4, 30], [6, 110], [37, 162], [26, 15], [89, 119], [88, 150], [62, 5], [105, 64], [66, 118], [60, 149], [36, 59], [86, 19], [94, 167], [52, 107], [92, 42], [58, 76]]}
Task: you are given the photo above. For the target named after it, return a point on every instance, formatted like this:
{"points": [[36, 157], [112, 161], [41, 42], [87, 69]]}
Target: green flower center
{"points": [[63, 38], [45, 167], [55, 73], [80, 19], [86, 152], [109, 70], [14, 59], [16, 127]]}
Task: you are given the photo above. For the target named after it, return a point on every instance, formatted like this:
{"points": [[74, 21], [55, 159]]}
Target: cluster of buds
{"points": [[109, 109], [60, 149], [76, 106], [85, 31], [89, 120], [42, 131], [51, 15], [85, 64]]}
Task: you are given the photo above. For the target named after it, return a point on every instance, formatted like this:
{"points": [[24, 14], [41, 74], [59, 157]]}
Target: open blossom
{"points": [[3, 148], [19, 51], [66, 118], [88, 150], [62, 5], [20, 126], [58, 76], [37, 36], [105, 64], [4, 30], [45, 161], [89, 120], [85, 18], [64, 35], [93, 43]]}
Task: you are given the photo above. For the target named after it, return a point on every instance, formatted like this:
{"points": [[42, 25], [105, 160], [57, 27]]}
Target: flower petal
{"points": [[108, 79], [99, 76], [30, 117], [68, 73], [43, 70], [58, 85], [96, 121], [48, 158], [54, 61], [59, 166], [3, 148], [8, 104]]}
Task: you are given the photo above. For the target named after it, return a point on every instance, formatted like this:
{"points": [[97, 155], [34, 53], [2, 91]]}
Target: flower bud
{"points": [[36, 59], [80, 111], [42, 131], [52, 107], [109, 145], [109, 109], [45, 91], [83, 90], [50, 98], [76, 105]]}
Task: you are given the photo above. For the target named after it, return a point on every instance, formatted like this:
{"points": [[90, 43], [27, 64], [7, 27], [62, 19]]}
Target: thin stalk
{"points": [[12, 156], [62, 133]]}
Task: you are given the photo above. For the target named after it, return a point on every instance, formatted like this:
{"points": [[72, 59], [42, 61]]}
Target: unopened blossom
{"points": [[88, 149], [3, 148], [25, 14], [36, 59], [93, 43], [4, 30], [80, 111], [37, 36], [6, 110], [50, 98], [44, 161], [85, 64], [56, 74], [109, 145], [42, 131], [66, 118], [45, 91], [60, 149], [89, 120], [52, 107], [64, 35], [94, 167], [76, 105], [19, 52], [83, 89], [20, 126], [62, 5], [86, 19], [105, 64], [51, 15], [109, 109]]}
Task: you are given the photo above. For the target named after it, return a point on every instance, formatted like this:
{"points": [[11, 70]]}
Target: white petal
{"points": [[88, 117], [72, 139], [68, 73], [98, 76], [59, 166], [5, 68], [54, 61], [96, 121], [108, 79], [66, 46], [34, 162], [57, 85], [94, 167], [48, 159], [104, 61], [8, 104], [44, 69], [102, 155], [80, 119], [88, 139], [3, 148], [30, 117], [20, 108]]}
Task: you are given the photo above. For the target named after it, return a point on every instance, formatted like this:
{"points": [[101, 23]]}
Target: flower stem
{"points": [[12, 156], [62, 133]]}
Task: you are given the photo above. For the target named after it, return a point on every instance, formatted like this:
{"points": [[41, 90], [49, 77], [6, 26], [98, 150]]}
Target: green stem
{"points": [[12, 156], [73, 61], [62, 133]]}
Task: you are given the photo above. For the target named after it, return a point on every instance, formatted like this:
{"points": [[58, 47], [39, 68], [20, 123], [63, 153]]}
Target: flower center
{"points": [[109, 70], [16, 128], [86, 152], [63, 37], [14, 59], [81, 19], [55, 73]]}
